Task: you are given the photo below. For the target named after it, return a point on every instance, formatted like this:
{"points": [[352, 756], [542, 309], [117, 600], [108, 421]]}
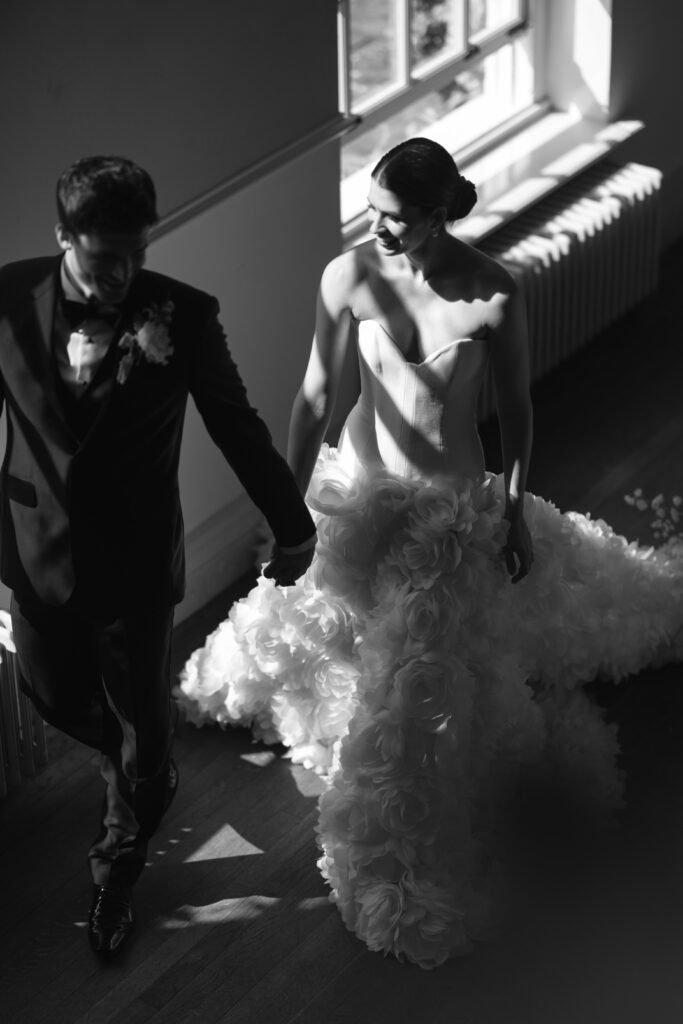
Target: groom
{"points": [[97, 359]]}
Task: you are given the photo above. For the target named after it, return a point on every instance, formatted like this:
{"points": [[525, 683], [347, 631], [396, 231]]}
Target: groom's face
{"points": [[104, 263]]}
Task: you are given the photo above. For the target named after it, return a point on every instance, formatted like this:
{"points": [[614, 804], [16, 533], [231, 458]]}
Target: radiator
{"points": [[583, 256], [23, 745]]}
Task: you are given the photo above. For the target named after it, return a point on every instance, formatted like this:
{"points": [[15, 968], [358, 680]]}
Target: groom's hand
{"points": [[285, 567]]}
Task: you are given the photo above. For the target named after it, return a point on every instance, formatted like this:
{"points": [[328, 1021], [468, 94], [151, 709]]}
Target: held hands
{"points": [[285, 569], [518, 549]]}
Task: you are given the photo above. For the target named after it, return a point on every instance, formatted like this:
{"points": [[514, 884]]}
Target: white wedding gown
{"points": [[407, 668]]}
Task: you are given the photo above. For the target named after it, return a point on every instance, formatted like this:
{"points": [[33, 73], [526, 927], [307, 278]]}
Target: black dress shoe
{"points": [[111, 918]]}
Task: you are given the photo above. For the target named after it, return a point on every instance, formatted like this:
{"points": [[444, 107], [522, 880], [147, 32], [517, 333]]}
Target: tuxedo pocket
{"points": [[21, 491]]}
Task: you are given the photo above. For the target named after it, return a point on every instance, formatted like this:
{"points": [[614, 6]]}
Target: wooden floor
{"points": [[234, 924]]}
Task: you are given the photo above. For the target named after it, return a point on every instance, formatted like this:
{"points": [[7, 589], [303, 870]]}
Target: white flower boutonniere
{"points": [[149, 341]]}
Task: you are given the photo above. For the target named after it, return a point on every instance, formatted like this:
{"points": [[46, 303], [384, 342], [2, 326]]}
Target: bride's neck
{"points": [[429, 258]]}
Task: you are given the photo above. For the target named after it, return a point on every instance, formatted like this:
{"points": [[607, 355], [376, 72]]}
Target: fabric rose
{"points": [[423, 557], [149, 339], [436, 507], [154, 341], [333, 489], [324, 678], [428, 690], [369, 757], [379, 906], [349, 817], [431, 615], [433, 925], [347, 539], [389, 499], [317, 621], [406, 808]]}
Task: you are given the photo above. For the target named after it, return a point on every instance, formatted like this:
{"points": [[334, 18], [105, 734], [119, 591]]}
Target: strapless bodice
{"points": [[417, 419]]}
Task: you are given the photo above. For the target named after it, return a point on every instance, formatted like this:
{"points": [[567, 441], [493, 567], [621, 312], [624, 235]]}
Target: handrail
{"points": [[327, 132]]}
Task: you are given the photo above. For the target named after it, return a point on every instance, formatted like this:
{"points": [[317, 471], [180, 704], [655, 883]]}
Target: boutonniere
{"points": [[149, 340]]}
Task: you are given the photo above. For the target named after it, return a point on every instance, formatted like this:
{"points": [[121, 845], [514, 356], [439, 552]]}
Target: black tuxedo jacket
{"points": [[99, 508]]}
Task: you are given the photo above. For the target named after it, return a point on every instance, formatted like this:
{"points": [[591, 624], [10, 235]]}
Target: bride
{"points": [[439, 641]]}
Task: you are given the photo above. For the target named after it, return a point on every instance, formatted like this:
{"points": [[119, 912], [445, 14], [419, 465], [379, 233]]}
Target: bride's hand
{"points": [[518, 549]]}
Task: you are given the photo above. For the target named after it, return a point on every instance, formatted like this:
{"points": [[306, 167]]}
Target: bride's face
{"points": [[398, 227]]}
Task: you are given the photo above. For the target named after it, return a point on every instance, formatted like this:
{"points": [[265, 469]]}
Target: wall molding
{"points": [[324, 133]]}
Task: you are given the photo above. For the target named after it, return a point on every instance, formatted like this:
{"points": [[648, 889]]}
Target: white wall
{"points": [[647, 83], [579, 73], [644, 82], [194, 93], [261, 253]]}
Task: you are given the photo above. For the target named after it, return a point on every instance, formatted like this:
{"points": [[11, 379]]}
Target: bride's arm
{"points": [[314, 403], [510, 363]]}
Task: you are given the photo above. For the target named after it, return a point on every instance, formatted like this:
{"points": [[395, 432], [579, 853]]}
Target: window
{"points": [[454, 70]]}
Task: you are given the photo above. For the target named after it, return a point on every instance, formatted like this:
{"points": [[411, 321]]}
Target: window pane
{"points": [[412, 120], [473, 103], [373, 42], [489, 15], [437, 28]]}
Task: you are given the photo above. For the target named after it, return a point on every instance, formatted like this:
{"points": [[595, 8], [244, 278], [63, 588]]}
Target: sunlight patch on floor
{"points": [[261, 758], [306, 781], [225, 842], [243, 909], [313, 903]]}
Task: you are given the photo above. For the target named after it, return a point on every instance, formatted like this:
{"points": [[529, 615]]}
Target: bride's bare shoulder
{"points": [[346, 272], [493, 276]]}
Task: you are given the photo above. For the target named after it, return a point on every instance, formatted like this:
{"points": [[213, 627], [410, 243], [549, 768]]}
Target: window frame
{"points": [[565, 129], [436, 72], [412, 85]]}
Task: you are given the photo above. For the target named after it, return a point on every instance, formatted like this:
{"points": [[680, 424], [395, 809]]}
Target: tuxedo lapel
{"points": [[45, 298], [31, 325]]}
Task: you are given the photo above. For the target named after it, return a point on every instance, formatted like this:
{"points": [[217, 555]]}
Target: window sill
{"points": [[527, 166]]}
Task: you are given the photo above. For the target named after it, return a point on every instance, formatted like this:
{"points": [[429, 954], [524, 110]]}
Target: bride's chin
{"points": [[390, 248]]}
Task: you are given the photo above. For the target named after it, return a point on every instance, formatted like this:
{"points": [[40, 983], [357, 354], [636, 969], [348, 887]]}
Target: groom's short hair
{"points": [[106, 193]]}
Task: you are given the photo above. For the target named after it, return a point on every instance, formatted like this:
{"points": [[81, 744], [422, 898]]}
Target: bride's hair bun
{"points": [[463, 199], [422, 173]]}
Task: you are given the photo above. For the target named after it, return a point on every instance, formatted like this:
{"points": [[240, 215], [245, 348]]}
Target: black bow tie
{"points": [[76, 312]]}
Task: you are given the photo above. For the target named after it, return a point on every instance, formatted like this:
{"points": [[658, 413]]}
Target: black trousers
{"points": [[108, 685]]}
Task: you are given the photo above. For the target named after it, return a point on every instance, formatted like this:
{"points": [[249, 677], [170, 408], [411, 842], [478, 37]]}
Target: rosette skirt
{"points": [[408, 670]]}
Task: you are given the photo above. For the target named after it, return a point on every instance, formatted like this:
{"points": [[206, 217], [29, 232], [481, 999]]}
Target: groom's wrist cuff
{"points": [[298, 548]]}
